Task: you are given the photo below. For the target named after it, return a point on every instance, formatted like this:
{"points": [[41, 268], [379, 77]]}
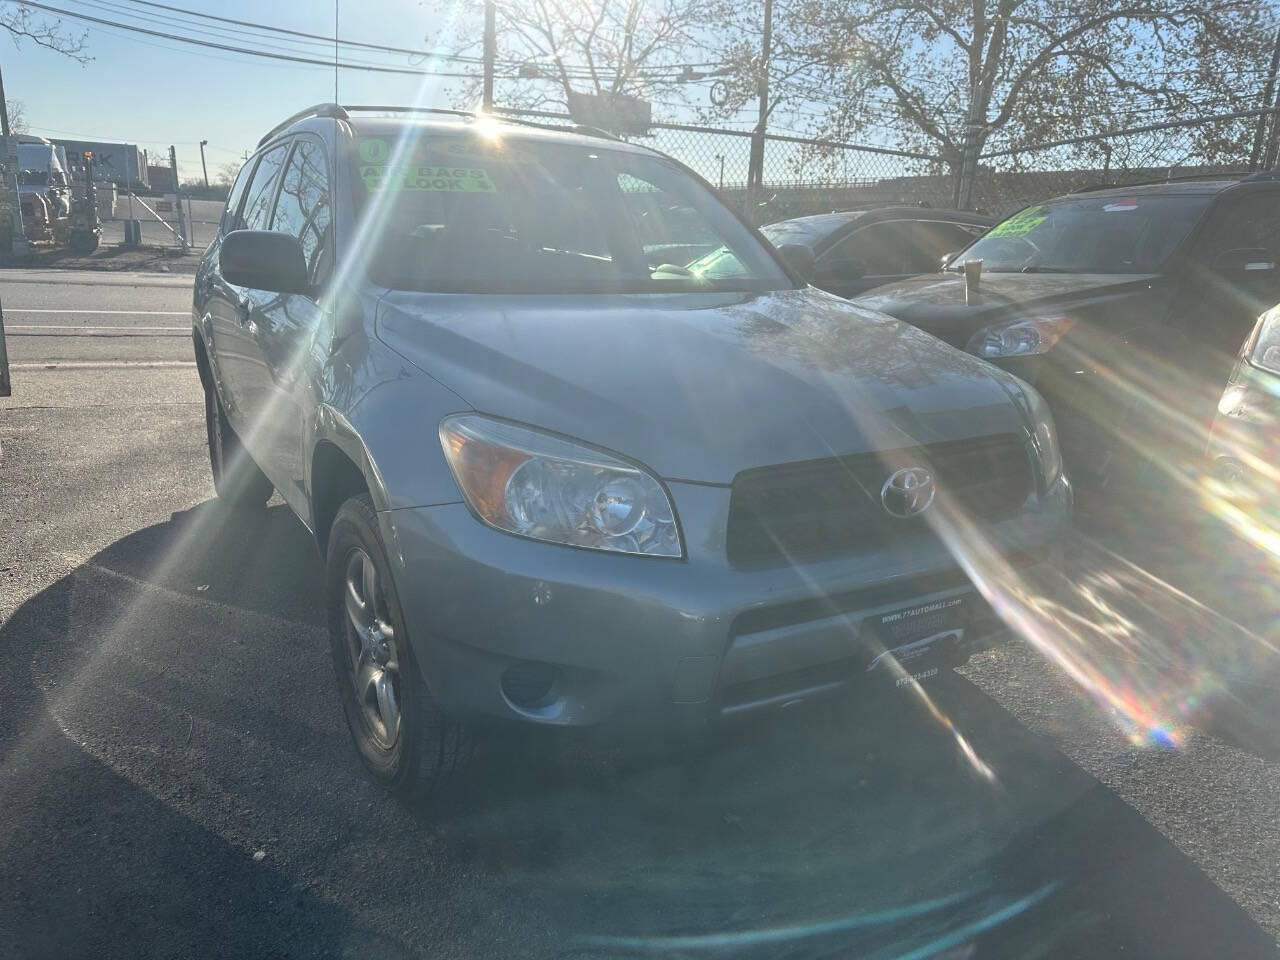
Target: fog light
{"points": [[528, 684]]}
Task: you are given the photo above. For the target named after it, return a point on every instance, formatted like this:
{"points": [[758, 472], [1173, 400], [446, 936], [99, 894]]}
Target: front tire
{"points": [[407, 744], [236, 478]]}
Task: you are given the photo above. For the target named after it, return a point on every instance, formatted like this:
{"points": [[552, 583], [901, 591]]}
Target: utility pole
{"points": [[1259, 133], [974, 125], [204, 166], [490, 52], [755, 163]]}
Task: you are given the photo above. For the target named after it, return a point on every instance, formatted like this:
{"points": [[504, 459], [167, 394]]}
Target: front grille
{"points": [[817, 508]]}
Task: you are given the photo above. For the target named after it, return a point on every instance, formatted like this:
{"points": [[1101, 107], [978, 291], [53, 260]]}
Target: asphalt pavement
{"points": [[176, 780]]}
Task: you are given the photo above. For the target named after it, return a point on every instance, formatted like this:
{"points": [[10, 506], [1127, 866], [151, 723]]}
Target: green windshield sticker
{"points": [[411, 169], [426, 177], [1020, 224]]}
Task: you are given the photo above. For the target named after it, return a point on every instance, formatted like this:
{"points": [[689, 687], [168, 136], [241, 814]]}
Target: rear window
{"points": [[470, 214]]}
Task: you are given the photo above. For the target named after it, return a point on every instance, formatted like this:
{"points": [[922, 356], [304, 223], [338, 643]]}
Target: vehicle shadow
{"points": [[169, 710], [98, 857]]}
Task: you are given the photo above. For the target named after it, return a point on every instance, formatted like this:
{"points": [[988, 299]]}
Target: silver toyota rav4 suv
{"points": [[580, 448]]}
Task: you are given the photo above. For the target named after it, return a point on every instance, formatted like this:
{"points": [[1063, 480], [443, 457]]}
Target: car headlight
{"points": [[536, 485], [1045, 438], [1264, 347], [1022, 338]]}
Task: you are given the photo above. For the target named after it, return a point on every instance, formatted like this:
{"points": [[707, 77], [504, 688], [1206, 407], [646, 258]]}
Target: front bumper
{"points": [[651, 642]]}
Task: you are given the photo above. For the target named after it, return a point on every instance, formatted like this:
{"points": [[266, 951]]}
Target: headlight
{"points": [[1045, 438], [530, 483], [1264, 347], [1022, 338]]}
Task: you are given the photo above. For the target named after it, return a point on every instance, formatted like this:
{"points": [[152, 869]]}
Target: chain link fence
{"points": [[804, 176], [1235, 143]]}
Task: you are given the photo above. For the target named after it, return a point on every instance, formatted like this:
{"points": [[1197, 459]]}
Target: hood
{"points": [[701, 386], [936, 302]]}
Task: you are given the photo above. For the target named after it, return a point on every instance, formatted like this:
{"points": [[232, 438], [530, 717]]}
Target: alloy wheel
{"points": [[373, 662]]}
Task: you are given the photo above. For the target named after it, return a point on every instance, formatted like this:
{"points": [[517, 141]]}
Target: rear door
{"points": [[243, 367], [285, 326], [218, 302]]}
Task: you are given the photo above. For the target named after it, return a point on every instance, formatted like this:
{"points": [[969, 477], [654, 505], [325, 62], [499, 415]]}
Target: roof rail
{"points": [[578, 128], [1182, 178], [343, 112], [318, 110]]}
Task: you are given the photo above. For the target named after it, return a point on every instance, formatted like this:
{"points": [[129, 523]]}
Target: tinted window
{"points": [[1248, 222], [235, 196], [302, 207], [807, 231], [465, 214], [257, 208], [880, 250], [934, 239], [1108, 234]]}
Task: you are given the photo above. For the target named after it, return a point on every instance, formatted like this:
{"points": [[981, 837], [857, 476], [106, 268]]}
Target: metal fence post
{"points": [[177, 200]]}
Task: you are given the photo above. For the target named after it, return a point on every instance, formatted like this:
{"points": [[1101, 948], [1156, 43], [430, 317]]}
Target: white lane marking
{"points": [[120, 313], [39, 329], [103, 365]]}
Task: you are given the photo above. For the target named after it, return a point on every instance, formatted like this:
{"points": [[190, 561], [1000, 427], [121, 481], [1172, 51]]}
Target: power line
{"points": [[576, 71], [308, 36], [310, 61]]}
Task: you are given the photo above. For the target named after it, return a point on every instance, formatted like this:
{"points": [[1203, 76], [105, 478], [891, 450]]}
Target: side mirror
{"points": [[945, 259], [799, 258], [1245, 260], [264, 260]]}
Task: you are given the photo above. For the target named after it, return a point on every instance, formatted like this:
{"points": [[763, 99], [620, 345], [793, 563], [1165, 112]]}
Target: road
{"points": [[176, 781]]}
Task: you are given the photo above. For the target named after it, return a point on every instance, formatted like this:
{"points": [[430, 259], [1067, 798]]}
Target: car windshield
{"points": [[468, 214], [1111, 234]]}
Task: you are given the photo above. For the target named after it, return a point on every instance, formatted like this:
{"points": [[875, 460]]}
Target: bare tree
{"points": [[225, 175], [24, 24], [956, 77], [17, 111], [550, 48]]}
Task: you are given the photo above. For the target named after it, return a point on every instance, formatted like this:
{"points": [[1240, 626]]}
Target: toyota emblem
{"points": [[908, 492]]}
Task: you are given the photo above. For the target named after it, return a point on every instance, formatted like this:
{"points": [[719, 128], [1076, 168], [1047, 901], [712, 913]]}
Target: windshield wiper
{"points": [[1040, 268]]}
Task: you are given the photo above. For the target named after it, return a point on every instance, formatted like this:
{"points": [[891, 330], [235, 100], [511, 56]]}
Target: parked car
{"points": [[857, 250], [1244, 447], [559, 480], [1124, 306]]}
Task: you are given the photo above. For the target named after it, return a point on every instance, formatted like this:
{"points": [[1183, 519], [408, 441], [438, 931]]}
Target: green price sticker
{"points": [[1020, 224], [426, 177]]}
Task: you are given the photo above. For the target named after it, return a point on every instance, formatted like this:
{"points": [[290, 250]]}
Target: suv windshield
{"points": [[469, 214], [1110, 234]]}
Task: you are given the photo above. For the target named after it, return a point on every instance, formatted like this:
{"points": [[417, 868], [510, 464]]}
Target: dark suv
{"points": [[562, 475], [857, 250], [1125, 306]]}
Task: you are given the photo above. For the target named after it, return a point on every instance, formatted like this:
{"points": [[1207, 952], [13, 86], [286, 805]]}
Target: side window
{"points": [[1250, 222], [257, 208], [235, 196], [934, 239], [880, 250], [302, 208]]}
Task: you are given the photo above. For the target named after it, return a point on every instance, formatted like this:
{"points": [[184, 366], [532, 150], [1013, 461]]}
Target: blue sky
{"points": [[152, 92]]}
